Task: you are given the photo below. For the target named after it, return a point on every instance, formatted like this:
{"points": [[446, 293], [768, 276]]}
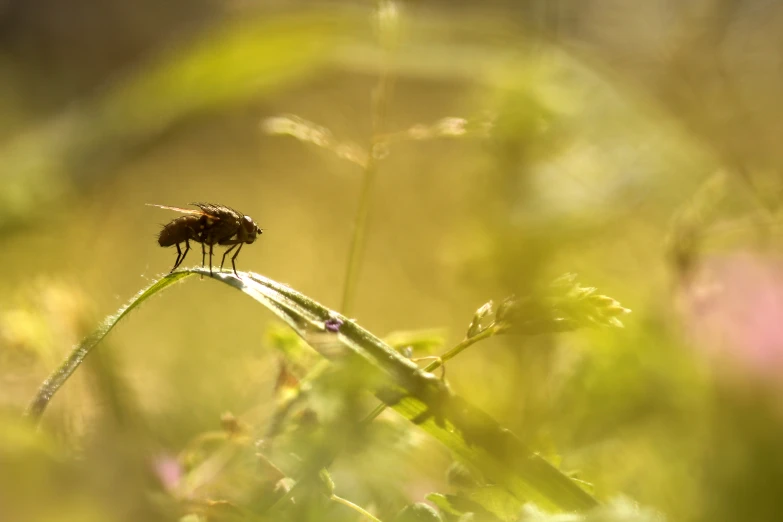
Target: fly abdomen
{"points": [[179, 230]]}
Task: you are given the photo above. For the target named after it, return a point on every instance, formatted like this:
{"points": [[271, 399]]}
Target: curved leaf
{"points": [[55, 381]]}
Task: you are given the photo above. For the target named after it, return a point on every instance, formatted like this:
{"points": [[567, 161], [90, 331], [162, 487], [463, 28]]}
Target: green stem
{"points": [[488, 332], [358, 238], [355, 507], [380, 102]]}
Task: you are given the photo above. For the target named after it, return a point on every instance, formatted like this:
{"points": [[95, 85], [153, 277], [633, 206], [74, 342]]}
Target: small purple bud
{"points": [[333, 325]]}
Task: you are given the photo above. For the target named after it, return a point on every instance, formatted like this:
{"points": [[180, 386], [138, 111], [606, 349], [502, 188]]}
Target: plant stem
{"points": [[486, 333], [358, 238], [380, 102], [355, 507]]}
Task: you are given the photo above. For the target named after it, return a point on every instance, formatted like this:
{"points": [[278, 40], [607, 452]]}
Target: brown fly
{"points": [[209, 225]]}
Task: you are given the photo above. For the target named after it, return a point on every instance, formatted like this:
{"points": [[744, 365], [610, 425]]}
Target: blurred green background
{"points": [[635, 144]]}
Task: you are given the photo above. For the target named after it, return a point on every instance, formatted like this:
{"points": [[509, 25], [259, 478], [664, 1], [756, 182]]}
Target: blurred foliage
{"points": [[491, 147], [238, 60]]}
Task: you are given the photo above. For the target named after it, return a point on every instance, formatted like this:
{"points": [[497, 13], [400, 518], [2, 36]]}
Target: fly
{"points": [[211, 225]]}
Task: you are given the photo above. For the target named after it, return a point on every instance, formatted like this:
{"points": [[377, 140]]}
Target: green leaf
{"points": [[497, 501], [53, 383], [460, 476], [418, 512], [459, 506], [444, 503]]}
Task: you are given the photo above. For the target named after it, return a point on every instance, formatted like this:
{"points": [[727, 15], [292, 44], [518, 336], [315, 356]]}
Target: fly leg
{"points": [[210, 258], [234, 243], [234, 257], [223, 261], [203, 256], [181, 255]]}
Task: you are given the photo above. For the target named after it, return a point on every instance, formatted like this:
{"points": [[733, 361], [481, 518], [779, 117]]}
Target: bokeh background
{"points": [[635, 144]]}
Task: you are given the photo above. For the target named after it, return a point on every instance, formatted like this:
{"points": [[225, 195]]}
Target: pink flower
{"points": [[733, 311], [168, 470]]}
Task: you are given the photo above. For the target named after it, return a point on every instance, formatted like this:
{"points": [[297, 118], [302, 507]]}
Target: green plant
{"points": [[474, 437]]}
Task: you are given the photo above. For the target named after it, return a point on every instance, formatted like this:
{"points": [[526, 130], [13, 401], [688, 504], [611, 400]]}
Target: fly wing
{"points": [[190, 211], [219, 211]]}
